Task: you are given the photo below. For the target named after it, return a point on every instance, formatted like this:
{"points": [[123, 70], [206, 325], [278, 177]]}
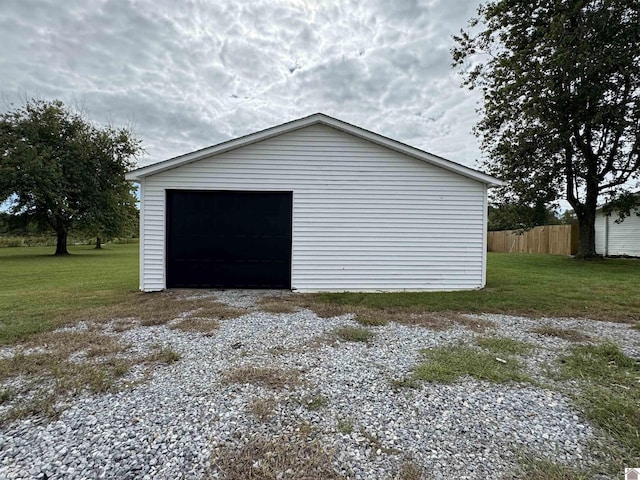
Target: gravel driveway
{"points": [[346, 403]]}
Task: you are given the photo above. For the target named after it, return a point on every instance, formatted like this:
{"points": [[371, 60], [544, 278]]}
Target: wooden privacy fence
{"points": [[554, 239]]}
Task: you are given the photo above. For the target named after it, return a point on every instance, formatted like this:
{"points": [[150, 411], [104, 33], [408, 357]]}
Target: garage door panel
{"points": [[229, 239]]}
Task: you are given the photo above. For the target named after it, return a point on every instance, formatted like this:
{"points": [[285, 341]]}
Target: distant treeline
{"points": [[15, 231]]}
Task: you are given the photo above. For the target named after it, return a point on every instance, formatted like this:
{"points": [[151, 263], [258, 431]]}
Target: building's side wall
{"points": [[618, 238], [365, 218]]}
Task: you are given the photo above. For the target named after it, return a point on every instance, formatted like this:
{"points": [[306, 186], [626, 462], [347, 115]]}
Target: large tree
{"points": [[62, 171], [561, 86]]}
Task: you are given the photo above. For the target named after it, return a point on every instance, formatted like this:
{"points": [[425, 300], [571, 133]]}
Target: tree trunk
{"points": [[98, 243], [587, 243], [61, 244]]}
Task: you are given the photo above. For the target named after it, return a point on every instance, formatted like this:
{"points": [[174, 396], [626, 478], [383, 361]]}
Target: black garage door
{"points": [[228, 239]]}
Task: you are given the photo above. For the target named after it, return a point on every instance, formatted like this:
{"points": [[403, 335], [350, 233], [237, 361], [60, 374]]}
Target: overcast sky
{"points": [[188, 74]]}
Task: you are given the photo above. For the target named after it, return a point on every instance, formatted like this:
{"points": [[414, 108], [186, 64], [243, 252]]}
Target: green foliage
{"points": [[568, 217], [61, 172], [624, 205], [561, 88], [15, 225], [513, 216]]}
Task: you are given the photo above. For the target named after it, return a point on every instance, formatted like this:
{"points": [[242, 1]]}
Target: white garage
{"points": [[315, 204], [614, 237]]}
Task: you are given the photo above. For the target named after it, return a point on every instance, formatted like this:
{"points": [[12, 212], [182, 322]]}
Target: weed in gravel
{"points": [[51, 352], [345, 426], [637, 326], [206, 326], [407, 382], [294, 302], [409, 470], [609, 395], [62, 343], [6, 394], [42, 404], [154, 321], [160, 307], [447, 364], [371, 320], [473, 323], [165, 355], [122, 325], [354, 334], [299, 455], [432, 320], [97, 378], [269, 377], [569, 334], [262, 408], [373, 316], [533, 468], [208, 308], [504, 345], [52, 378], [279, 350], [376, 445], [63, 364], [326, 310], [313, 402]]}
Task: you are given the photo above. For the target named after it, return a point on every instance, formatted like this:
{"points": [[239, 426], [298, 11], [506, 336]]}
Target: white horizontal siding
{"points": [[364, 217], [618, 238]]}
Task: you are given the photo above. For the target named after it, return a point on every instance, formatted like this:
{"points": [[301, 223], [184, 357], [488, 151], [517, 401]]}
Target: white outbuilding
{"points": [[312, 205], [617, 238]]}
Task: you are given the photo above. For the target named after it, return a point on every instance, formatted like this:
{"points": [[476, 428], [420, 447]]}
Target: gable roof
{"points": [[315, 119]]}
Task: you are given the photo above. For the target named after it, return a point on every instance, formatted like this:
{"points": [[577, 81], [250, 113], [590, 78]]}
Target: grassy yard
{"points": [[530, 285], [39, 292]]}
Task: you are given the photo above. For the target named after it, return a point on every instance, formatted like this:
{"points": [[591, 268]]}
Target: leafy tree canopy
{"points": [[62, 171], [516, 216], [561, 111], [625, 205]]}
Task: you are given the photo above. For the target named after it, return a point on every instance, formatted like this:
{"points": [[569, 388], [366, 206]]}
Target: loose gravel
{"points": [[172, 426]]}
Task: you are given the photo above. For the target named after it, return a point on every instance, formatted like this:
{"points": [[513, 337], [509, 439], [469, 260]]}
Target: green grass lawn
{"points": [[39, 292], [532, 285]]}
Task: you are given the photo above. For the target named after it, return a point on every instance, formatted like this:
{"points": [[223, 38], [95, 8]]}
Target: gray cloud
{"points": [[195, 73]]}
